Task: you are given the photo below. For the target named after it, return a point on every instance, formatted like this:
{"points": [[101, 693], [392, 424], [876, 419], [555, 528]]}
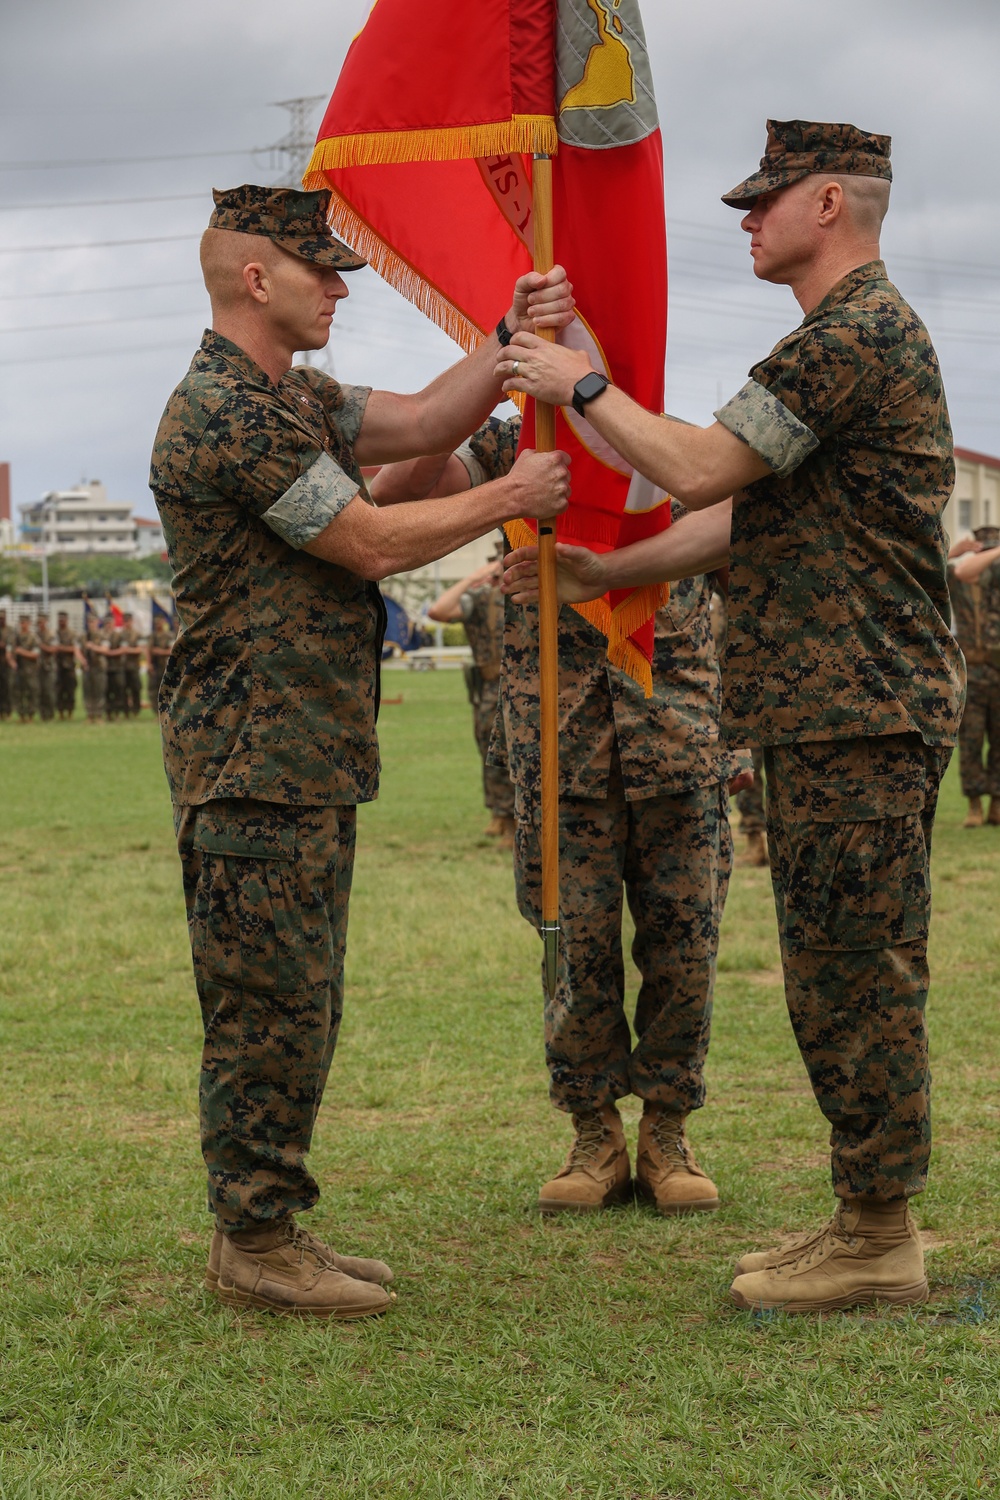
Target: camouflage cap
{"points": [[293, 219], [798, 148], [988, 535]]}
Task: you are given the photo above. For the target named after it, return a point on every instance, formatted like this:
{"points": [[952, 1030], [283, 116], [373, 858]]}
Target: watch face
{"points": [[590, 386]]}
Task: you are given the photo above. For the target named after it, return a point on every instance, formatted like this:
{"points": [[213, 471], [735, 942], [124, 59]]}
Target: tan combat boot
{"points": [[755, 854], [665, 1169], [994, 814], [507, 833], [494, 827], [869, 1252], [974, 817], [375, 1271], [281, 1269], [596, 1173]]}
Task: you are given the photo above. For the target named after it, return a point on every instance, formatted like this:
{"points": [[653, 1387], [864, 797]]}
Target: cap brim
{"points": [[325, 252], [746, 193]]}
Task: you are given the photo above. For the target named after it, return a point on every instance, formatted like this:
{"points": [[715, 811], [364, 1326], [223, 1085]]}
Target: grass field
{"points": [[524, 1359]]}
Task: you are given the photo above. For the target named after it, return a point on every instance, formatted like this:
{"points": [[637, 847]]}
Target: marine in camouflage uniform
{"points": [[95, 678], [643, 817], [158, 654], [47, 660], [975, 607], [114, 641], [131, 669], [27, 652], [840, 662], [6, 641], [65, 667], [478, 603], [268, 707]]}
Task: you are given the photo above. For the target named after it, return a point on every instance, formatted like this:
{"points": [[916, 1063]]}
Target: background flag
{"points": [[426, 147]]}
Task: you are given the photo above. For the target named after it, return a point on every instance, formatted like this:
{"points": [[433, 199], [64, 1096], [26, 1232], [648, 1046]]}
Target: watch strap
{"points": [[503, 332]]}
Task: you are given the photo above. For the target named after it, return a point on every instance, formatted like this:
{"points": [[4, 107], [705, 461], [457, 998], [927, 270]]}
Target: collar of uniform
{"points": [[217, 346], [873, 270]]}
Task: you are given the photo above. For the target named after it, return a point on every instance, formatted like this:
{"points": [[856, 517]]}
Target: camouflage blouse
{"points": [[667, 744], [838, 603], [270, 690]]}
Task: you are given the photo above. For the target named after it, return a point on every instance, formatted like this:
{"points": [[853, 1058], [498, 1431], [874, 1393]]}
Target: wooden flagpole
{"points": [[548, 614]]}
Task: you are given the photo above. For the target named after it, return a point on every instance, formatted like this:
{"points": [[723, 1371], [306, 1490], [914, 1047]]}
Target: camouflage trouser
{"points": [[980, 725], [47, 694], [153, 681], [672, 856], [5, 694], [750, 800], [133, 692], [849, 828], [266, 888], [95, 688], [114, 691], [26, 690], [498, 790], [66, 689]]}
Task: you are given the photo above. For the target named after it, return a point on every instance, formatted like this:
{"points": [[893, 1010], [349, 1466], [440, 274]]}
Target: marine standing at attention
{"points": [[974, 584], [643, 819], [822, 483], [269, 698]]}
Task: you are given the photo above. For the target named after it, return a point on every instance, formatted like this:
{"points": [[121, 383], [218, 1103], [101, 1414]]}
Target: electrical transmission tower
{"points": [[289, 157]]}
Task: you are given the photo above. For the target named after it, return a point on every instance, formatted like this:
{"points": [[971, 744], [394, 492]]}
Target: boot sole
{"points": [[898, 1296], [611, 1200], [235, 1298], [671, 1210]]}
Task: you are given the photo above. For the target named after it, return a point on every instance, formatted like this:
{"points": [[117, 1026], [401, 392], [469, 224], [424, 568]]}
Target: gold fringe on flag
{"points": [[615, 624], [527, 133]]}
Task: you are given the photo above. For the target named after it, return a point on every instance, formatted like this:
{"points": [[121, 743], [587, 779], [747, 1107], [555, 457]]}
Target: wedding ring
{"points": [[516, 367]]}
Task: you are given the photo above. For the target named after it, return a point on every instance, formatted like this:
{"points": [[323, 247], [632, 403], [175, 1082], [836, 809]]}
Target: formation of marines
{"points": [[818, 493], [41, 668]]}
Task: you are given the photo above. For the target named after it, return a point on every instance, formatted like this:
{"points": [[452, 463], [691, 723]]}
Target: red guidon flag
{"points": [[426, 148]]}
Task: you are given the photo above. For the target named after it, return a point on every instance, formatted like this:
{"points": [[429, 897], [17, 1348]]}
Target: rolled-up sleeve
{"points": [[315, 499], [767, 426]]}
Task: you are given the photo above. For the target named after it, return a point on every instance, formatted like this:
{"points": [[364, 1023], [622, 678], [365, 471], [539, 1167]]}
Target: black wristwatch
{"points": [[503, 332], [586, 389]]}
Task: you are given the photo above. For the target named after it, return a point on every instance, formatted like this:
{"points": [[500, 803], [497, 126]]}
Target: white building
{"points": [[975, 501], [149, 538], [81, 520]]}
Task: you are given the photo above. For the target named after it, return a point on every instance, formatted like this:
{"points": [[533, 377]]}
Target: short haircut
{"points": [[867, 200], [224, 253]]}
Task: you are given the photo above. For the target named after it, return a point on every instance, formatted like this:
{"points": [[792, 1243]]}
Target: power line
{"points": [[97, 291], [156, 239], [116, 161], [21, 208], [101, 322]]}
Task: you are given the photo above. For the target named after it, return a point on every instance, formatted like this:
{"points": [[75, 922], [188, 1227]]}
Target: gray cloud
{"points": [[117, 79]]}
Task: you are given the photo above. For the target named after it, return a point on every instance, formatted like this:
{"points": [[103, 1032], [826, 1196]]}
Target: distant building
{"points": [[976, 498], [149, 538], [80, 521], [7, 537]]}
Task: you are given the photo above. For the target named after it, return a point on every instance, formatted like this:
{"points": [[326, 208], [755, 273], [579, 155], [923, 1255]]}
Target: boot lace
{"points": [[667, 1131], [304, 1243], [589, 1139], [816, 1245]]}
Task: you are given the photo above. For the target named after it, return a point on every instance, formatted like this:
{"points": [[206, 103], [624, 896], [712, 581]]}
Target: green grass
{"points": [[524, 1359]]}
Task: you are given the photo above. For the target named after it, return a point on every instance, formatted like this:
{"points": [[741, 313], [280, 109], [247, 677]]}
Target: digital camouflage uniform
{"points": [[976, 610], [95, 679], [66, 670], [644, 811], [840, 662], [26, 675], [6, 641], [115, 670], [750, 799], [131, 674], [46, 674], [159, 641], [483, 617], [268, 707]]}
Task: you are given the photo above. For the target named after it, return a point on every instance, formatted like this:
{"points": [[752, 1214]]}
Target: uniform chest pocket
{"points": [[253, 931], [858, 878]]}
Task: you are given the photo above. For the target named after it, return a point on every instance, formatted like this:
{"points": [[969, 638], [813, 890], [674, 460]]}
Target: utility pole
{"points": [[290, 155]]}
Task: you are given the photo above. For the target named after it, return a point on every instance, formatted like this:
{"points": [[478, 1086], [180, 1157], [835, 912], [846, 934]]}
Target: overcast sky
{"points": [[92, 340]]}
